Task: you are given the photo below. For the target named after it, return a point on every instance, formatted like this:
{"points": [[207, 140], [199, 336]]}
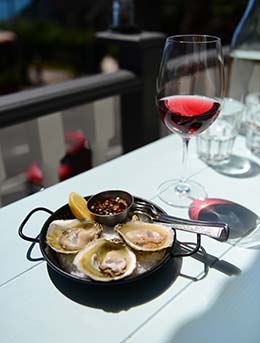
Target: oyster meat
{"points": [[144, 236], [70, 236], [105, 260]]}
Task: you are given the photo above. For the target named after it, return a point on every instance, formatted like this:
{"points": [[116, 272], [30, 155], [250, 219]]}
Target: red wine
{"points": [[188, 114]]}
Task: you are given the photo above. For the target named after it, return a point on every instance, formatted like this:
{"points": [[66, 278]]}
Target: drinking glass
{"points": [[189, 94]]}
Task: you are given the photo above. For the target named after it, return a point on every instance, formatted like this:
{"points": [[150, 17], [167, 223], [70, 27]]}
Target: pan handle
{"points": [[180, 253], [20, 230]]}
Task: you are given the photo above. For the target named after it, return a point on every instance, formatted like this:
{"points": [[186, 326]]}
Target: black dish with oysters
{"points": [[121, 253]]}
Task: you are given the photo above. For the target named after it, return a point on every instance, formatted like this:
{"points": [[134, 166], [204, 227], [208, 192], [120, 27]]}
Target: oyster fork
{"points": [[216, 230]]}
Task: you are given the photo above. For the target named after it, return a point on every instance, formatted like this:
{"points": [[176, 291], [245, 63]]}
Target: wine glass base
{"points": [[177, 194]]}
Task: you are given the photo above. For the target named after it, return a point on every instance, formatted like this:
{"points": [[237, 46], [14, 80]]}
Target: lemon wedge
{"points": [[78, 206]]}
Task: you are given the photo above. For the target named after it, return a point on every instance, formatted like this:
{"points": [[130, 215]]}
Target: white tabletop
{"points": [[218, 308]]}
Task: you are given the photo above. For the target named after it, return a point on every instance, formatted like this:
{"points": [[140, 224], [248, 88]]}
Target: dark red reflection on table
{"points": [[240, 219]]}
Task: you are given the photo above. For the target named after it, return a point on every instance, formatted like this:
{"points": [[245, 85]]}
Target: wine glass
{"points": [[189, 94]]}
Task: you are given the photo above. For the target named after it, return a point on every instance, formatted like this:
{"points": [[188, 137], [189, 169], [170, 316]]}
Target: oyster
{"points": [[70, 236], [144, 236], [105, 260]]}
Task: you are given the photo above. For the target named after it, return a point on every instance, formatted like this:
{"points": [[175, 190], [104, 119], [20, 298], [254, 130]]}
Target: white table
{"points": [[218, 308]]}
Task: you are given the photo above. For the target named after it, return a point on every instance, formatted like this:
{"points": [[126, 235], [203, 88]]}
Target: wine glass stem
{"points": [[183, 186]]}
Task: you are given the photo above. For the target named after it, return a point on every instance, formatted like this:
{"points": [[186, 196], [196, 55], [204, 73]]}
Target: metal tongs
{"points": [[216, 230]]}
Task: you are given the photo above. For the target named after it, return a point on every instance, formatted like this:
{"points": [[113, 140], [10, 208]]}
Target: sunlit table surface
{"points": [[201, 304]]}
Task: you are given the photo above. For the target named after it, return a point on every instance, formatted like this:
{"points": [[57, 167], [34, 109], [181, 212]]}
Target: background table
{"points": [[217, 308]]}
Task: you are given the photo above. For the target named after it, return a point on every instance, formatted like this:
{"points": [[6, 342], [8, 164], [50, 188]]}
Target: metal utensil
{"points": [[216, 230]]}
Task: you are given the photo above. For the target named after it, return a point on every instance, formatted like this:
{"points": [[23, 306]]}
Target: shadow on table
{"points": [[122, 297], [233, 317], [239, 167], [115, 298], [244, 224], [209, 261]]}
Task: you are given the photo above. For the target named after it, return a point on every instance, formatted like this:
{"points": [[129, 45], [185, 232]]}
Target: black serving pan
{"points": [[52, 261]]}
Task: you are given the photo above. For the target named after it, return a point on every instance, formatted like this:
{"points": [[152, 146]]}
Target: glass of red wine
{"points": [[189, 94]]}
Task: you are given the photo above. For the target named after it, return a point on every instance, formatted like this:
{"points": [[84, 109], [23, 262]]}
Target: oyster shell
{"points": [[70, 236], [144, 236], [105, 260]]}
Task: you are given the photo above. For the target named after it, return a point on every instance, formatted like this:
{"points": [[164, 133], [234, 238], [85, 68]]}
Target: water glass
{"points": [[253, 123], [214, 146]]}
